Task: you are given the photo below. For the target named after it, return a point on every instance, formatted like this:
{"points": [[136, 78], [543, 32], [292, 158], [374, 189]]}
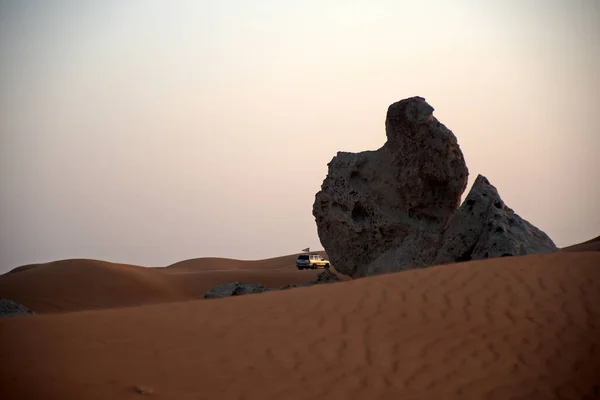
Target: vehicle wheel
{"points": [[326, 266], [299, 267]]}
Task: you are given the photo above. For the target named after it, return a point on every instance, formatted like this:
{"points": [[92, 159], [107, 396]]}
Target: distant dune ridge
{"points": [[80, 284], [590, 245]]}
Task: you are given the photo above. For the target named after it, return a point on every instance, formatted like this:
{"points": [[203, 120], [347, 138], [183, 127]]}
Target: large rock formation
{"points": [[396, 208], [485, 227], [383, 210]]}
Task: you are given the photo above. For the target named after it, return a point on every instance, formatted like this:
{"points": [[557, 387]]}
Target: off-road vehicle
{"points": [[311, 261]]}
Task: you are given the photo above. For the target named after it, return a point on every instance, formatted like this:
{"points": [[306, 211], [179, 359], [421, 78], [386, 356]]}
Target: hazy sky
{"points": [[149, 132]]}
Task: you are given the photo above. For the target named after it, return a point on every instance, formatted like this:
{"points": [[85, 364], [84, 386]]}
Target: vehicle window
{"points": [[302, 257]]}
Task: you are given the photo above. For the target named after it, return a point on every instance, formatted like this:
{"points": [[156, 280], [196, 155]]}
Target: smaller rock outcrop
{"points": [[485, 227], [294, 285], [235, 289], [323, 277], [9, 308]]}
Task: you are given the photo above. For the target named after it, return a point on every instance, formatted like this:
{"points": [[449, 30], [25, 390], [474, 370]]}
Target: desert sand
{"points": [[508, 328]]}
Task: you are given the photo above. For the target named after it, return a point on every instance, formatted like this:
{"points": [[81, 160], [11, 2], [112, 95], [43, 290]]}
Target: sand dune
{"points": [[590, 245], [519, 327], [80, 284]]}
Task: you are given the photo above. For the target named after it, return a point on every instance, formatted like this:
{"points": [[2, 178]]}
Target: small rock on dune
{"points": [[294, 285], [237, 288], [9, 308], [323, 277], [234, 289]]}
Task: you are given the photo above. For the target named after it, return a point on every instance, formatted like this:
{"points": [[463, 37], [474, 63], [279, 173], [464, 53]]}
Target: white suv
{"points": [[311, 261]]}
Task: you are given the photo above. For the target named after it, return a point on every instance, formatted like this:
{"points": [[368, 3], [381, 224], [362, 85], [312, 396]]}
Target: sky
{"points": [[149, 132]]}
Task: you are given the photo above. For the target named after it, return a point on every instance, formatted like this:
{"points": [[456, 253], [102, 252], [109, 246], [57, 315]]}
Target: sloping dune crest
{"points": [[82, 284], [519, 327], [590, 245]]}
